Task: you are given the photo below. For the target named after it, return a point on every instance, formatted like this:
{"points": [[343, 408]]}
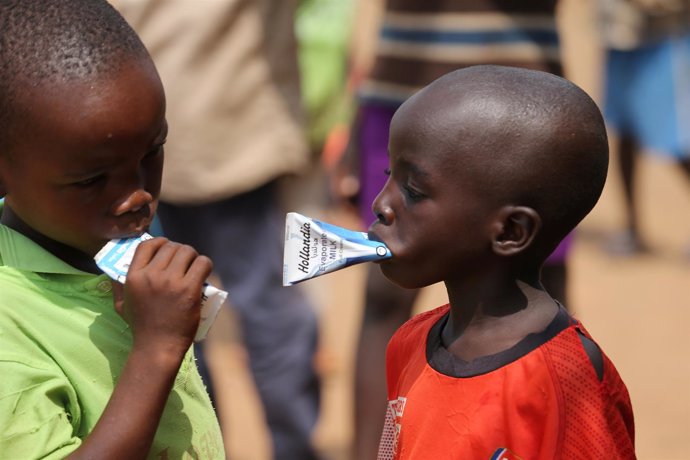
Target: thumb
{"points": [[119, 298]]}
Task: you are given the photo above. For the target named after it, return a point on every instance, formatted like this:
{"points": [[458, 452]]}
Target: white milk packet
{"points": [[116, 257], [314, 248]]}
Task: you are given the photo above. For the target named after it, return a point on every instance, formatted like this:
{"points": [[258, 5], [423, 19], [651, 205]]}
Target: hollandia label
{"points": [[314, 248]]}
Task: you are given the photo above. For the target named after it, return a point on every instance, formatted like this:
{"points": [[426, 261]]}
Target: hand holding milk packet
{"points": [[314, 248], [116, 257]]}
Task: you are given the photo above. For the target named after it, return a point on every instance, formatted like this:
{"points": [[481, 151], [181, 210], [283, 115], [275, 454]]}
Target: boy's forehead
{"points": [[468, 124], [83, 113], [441, 118], [134, 88]]}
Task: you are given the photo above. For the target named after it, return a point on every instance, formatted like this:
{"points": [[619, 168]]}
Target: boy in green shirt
{"points": [[90, 368]]}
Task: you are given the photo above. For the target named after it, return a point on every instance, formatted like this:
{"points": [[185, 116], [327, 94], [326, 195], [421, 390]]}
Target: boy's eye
{"points": [[387, 171], [91, 181], [412, 194]]}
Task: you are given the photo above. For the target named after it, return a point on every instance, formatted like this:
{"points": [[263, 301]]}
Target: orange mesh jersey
{"points": [[541, 399]]}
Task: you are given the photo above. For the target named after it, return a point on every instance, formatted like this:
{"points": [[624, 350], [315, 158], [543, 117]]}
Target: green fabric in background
{"points": [[323, 34]]}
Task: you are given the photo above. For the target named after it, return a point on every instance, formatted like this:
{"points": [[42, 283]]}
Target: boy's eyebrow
{"points": [[414, 168]]}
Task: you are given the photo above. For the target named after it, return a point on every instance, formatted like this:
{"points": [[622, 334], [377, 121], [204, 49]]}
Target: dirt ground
{"points": [[637, 308]]}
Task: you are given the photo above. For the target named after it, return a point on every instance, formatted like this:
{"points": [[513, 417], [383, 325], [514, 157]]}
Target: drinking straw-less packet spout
{"points": [[314, 248], [116, 257]]}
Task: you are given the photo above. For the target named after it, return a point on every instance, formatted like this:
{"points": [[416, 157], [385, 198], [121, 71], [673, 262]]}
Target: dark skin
{"points": [[445, 219], [86, 167]]}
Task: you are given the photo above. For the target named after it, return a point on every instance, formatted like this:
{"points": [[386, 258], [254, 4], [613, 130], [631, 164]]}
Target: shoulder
{"points": [[594, 401], [21, 317], [573, 352], [582, 370], [14, 286], [411, 337], [428, 317], [420, 324], [18, 290]]}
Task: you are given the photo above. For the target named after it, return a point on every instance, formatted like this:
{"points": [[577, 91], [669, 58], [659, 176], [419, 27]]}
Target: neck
{"points": [[68, 254], [490, 318]]}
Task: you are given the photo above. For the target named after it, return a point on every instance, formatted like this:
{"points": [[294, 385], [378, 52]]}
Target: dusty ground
{"points": [[637, 308]]}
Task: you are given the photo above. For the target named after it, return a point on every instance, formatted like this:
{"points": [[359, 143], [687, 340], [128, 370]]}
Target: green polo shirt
{"points": [[62, 349]]}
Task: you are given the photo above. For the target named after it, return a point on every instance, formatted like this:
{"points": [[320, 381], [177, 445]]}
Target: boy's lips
{"points": [[132, 232], [134, 225], [374, 237]]}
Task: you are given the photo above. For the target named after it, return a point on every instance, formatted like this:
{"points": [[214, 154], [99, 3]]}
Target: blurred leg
{"points": [[386, 308], [627, 111], [629, 241], [684, 164], [628, 162]]}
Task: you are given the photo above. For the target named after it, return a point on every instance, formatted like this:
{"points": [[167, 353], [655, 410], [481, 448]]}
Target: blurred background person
{"points": [[647, 95], [230, 72]]}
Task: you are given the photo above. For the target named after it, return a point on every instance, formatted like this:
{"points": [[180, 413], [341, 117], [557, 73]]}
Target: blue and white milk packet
{"points": [[116, 257], [314, 248]]}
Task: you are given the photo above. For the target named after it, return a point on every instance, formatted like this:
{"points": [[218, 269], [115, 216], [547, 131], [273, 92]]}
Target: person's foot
{"points": [[624, 244]]}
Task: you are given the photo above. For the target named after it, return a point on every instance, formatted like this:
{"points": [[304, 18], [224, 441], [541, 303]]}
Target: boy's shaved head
{"points": [[57, 40], [526, 138]]}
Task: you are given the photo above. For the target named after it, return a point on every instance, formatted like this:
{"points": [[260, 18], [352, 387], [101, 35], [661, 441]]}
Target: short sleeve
{"points": [[36, 412], [597, 415]]}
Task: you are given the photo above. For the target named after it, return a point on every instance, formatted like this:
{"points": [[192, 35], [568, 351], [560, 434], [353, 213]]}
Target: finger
{"points": [[146, 251], [183, 259], [200, 269], [164, 256]]}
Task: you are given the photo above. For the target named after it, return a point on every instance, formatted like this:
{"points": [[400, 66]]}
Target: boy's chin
{"points": [[397, 277]]}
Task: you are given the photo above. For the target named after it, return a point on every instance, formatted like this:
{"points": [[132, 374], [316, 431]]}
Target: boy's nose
{"points": [[381, 209], [133, 202]]}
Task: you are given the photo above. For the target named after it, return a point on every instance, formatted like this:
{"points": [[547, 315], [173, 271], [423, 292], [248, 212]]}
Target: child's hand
{"points": [[161, 297]]}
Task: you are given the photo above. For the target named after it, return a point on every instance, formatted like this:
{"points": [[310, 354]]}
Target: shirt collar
{"points": [[18, 251]]}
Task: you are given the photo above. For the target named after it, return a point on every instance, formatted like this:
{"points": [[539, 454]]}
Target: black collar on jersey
{"points": [[441, 360]]}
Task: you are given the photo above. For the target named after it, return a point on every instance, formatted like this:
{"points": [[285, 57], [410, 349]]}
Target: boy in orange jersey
{"points": [[490, 167]]}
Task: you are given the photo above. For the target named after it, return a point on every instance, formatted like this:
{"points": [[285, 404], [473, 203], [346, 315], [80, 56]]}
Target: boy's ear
{"points": [[514, 229]]}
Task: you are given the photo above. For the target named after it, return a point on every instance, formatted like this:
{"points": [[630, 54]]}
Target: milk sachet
{"points": [[116, 257], [314, 248]]}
